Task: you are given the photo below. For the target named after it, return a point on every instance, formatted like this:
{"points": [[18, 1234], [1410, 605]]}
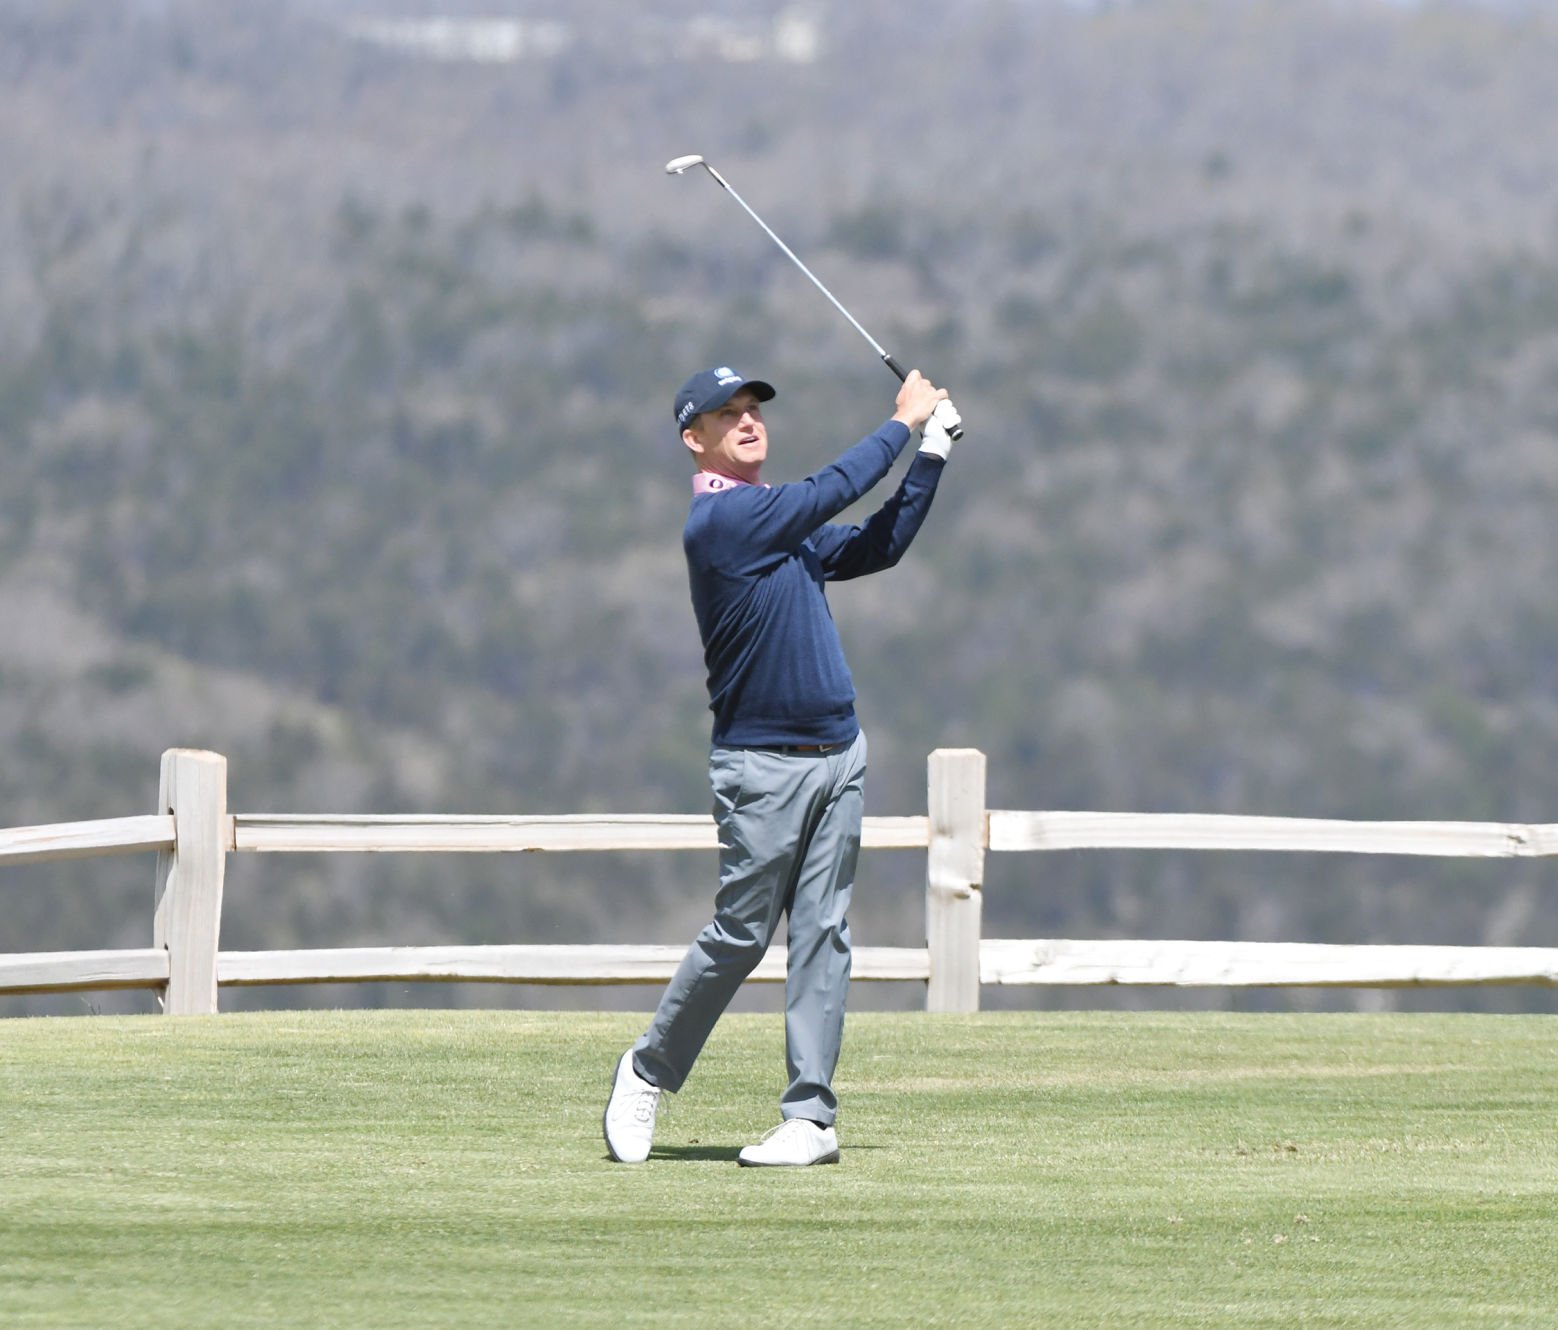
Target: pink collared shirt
{"points": [[707, 482]]}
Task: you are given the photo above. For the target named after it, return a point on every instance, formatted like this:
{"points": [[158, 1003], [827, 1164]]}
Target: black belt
{"points": [[805, 748]]}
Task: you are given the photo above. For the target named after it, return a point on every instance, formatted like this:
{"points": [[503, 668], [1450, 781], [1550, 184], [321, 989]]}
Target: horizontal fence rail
{"points": [[1217, 831], [1261, 964], [84, 971], [194, 833], [549, 964], [85, 840], [331, 834]]}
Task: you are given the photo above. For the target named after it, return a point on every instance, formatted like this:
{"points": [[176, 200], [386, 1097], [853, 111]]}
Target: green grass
{"points": [[421, 1169]]}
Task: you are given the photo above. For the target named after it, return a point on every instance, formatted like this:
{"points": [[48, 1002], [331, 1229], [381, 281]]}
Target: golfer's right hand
{"points": [[917, 398]]}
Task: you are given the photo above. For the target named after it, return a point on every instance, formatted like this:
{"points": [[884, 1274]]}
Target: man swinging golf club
{"points": [[788, 758]]}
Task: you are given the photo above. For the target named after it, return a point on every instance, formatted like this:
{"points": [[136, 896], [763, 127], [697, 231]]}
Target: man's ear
{"points": [[693, 442]]}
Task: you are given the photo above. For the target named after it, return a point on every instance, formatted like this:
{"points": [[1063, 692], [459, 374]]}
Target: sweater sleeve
{"points": [[780, 520], [854, 551]]}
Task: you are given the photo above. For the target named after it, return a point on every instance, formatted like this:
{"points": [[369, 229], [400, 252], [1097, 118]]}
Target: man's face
{"points": [[730, 439]]}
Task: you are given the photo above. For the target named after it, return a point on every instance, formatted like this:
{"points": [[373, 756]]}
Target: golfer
{"points": [[788, 759]]}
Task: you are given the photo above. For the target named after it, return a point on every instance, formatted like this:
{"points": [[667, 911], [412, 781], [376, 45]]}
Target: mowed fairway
{"points": [[420, 1169]]}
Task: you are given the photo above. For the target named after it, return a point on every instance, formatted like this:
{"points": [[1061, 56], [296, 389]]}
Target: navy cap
{"points": [[710, 388]]}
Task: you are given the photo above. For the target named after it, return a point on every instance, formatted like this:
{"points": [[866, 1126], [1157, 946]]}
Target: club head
{"points": [[677, 165]]}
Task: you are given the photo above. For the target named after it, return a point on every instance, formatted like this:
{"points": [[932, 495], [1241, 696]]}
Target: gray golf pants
{"points": [[789, 833]]}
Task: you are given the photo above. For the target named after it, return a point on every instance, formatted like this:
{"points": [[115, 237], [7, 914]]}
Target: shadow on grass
{"points": [[715, 1153], [691, 1153]]}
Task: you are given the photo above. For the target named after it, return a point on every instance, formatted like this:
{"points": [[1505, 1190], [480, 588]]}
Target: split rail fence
{"points": [[193, 834]]}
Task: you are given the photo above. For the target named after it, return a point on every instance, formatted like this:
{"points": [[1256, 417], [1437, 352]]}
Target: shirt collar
{"points": [[708, 482]]}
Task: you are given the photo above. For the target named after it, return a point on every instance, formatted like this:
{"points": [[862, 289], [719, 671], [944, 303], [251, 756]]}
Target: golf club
{"points": [[681, 165]]}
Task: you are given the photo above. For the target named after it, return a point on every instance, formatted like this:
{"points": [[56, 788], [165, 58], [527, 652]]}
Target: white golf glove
{"points": [[936, 434]]}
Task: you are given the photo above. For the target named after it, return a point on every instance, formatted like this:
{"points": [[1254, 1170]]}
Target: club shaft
{"points": [[683, 163], [790, 254]]}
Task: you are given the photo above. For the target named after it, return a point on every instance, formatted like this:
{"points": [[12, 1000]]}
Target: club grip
{"points": [[956, 432]]}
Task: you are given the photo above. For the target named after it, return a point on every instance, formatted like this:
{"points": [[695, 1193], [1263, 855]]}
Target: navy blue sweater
{"points": [[757, 559]]}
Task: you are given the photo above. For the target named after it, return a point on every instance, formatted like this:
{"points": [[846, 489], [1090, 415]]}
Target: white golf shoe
{"points": [[629, 1123], [794, 1143]]}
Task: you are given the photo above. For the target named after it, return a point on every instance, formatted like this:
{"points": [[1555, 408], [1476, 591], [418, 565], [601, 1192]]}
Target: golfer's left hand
{"points": [[936, 437]]}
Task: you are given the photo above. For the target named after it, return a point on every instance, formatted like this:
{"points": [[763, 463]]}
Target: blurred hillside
{"points": [[335, 377]]}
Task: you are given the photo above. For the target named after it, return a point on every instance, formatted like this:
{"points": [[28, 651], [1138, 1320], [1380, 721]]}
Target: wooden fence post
{"points": [[188, 916], [955, 874]]}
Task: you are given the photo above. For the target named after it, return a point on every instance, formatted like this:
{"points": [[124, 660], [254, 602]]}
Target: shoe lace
{"points": [[644, 1103]]}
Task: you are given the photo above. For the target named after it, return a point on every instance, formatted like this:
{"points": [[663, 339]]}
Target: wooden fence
{"points": [[192, 833]]}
